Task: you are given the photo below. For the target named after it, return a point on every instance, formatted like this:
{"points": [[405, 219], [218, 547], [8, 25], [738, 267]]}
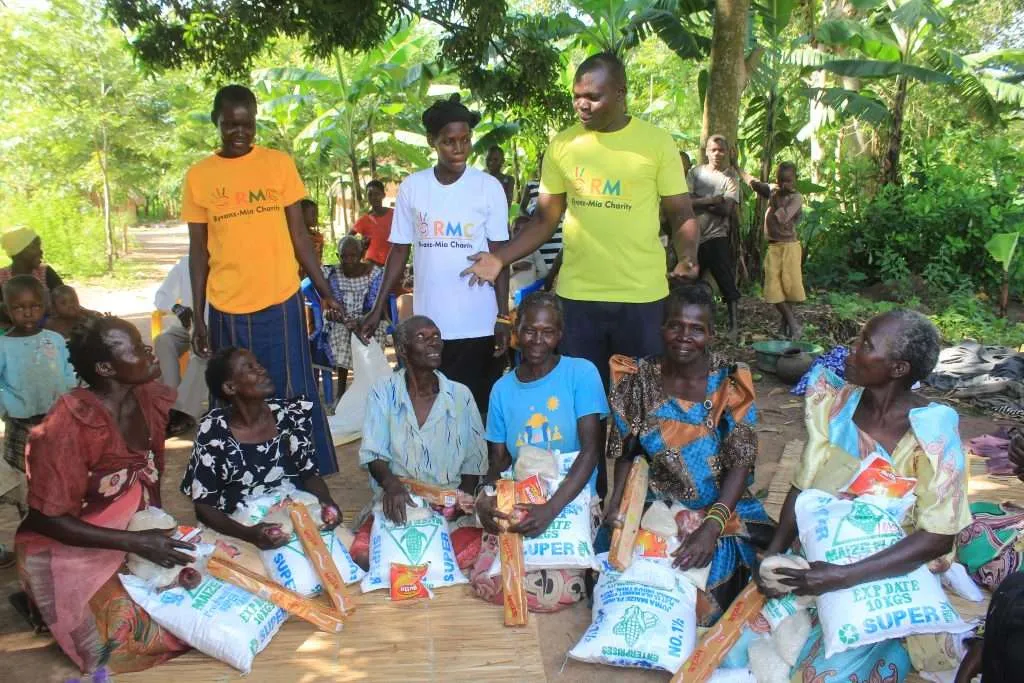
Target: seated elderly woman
{"points": [[692, 415], [253, 445], [875, 412], [94, 462], [552, 402], [419, 425]]}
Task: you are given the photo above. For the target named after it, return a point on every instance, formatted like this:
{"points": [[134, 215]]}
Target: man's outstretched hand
{"points": [[486, 268]]}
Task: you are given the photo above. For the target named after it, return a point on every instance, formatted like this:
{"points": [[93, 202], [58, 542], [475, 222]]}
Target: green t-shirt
{"points": [[613, 184]]}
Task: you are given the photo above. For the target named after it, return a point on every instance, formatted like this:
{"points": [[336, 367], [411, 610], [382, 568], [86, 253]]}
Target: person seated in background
{"points": [[375, 226], [25, 249], [249, 447], [552, 402], [875, 411], [175, 296], [691, 413], [355, 284], [65, 311], [419, 425], [311, 217], [95, 461]]}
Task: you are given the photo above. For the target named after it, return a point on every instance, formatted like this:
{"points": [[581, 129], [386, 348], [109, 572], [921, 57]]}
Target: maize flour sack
{"points": [[567, 543], [289, 566], [846, 531], [645, 617], [217, 618], [423, 539]]}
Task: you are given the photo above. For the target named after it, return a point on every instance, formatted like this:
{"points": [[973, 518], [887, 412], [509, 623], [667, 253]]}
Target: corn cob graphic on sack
{"points": [[645, 618], [422, 540]]}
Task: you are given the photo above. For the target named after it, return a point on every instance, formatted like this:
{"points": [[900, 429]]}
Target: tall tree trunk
{"points": [[891, 162], [373, 153], [728, 73], [817, 120], [357, 195], [108, 223]]}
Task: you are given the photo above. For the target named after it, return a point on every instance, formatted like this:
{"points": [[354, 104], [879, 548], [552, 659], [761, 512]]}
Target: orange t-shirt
{"points": [[242, 202], [378, 230]]}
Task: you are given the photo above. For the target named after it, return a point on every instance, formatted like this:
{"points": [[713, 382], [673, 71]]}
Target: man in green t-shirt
{"points": [[610, 174]]}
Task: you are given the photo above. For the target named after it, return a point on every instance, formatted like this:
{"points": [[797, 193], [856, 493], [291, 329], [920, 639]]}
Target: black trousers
{"points": [[472, 362], [715, 255]]}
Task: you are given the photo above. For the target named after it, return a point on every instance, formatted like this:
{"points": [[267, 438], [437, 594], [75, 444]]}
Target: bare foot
{"points": [[798, 332]]}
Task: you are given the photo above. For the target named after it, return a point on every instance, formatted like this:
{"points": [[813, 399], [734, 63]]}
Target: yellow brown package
{"points": [[435, 495], [631, 509], [531, 490], [407, 582], [513, 567], [720, 638], [318, 555], [320, 615]]}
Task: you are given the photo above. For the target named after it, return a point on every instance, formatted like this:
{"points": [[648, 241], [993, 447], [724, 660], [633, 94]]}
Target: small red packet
{"points": [[407, 582], [650, 544], [530, 490], [877, 477]]}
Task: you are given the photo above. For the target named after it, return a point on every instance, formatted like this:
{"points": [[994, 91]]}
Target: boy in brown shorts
{"points": [[783, 278]]}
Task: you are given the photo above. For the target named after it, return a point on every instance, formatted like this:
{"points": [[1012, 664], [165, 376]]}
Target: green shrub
{"points": [[936, 228], [70, 227]]}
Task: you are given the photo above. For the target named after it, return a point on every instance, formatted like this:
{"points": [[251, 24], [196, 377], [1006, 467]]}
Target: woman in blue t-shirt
{"points": [[552, 402]]}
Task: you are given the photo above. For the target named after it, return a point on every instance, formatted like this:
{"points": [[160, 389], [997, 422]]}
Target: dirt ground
{"points": [[32, 658]]}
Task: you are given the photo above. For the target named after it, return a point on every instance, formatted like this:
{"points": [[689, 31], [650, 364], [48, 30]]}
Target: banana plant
{"points": [[1003, 248], [898, 42], [356, 103]]}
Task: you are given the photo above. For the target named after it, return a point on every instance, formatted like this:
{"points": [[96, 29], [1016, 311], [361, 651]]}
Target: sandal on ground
{"points": [[29, 612]]}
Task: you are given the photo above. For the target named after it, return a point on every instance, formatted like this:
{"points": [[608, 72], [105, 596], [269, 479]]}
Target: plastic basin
{"points": [[768, 352]]}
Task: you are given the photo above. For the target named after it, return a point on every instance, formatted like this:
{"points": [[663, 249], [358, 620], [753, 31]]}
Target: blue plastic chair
{"points": [[322, 374], [517, 299], [523, 292]]}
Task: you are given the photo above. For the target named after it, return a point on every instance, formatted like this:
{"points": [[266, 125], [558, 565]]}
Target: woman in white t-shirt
{"points": [[450, 212]]}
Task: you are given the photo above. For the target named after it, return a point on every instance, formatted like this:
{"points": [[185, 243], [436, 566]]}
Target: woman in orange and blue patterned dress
{"points": [[692, 415]]}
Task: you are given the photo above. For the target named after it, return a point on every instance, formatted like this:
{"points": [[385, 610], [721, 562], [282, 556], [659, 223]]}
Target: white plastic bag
{"points": [[368, 365], [637, 624], [289, 567], [846, 531], [217, 618], [568, 542], [423, 539]]}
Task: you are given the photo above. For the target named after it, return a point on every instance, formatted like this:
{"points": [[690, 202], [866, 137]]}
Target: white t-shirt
{"points": [[446, 224]]}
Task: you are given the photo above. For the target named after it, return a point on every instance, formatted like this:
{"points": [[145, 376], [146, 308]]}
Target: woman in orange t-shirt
{"points": [[247, 237], [376, 225]]}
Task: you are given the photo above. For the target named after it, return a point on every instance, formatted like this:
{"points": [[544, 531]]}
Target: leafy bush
{"points": [[963, 316], [936, 227], [70, 227]]}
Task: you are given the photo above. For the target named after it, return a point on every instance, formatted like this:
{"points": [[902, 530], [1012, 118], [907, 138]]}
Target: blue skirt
{"points": [[277, 337]]}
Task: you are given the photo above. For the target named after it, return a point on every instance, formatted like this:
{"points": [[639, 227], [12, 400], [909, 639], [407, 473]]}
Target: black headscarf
{"points": [[443, 112]]}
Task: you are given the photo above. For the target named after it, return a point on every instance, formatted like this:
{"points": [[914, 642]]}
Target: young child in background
{"points": [[783, 274], [34, 367], [65, 311], [34, 372]]}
